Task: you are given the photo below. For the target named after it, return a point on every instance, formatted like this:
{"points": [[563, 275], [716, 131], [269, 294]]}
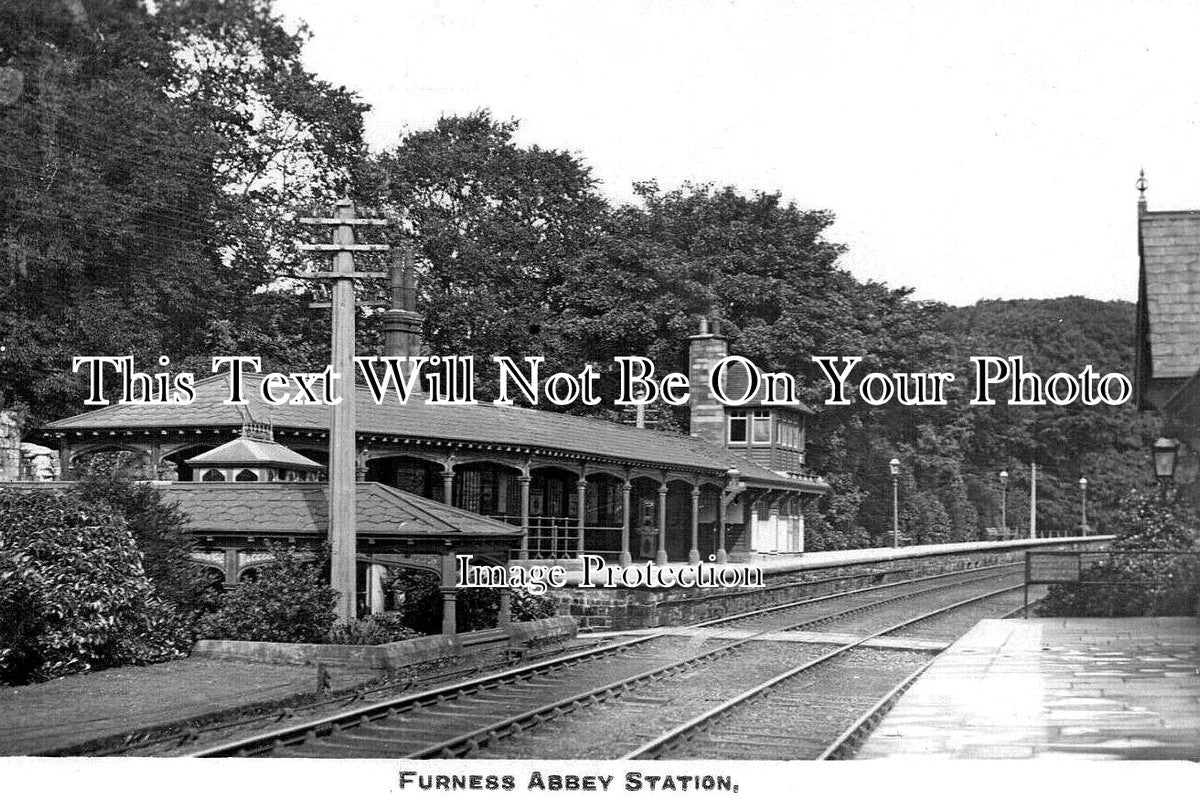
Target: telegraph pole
{"points": [[343, 570]]}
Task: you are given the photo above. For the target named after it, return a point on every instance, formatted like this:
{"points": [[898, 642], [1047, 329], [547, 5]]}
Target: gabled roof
{"points": [[737, 381], [302, 509], [243, 452], [534, 429], [1169, 294]]}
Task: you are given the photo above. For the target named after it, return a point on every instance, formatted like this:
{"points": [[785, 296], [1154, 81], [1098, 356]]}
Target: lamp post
{"points": [[1165, 453], [1083, 504], [1004, 503], [894, 465]]}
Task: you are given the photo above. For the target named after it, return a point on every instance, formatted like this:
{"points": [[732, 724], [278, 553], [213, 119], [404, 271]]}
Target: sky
{"points": [[968, 150]]}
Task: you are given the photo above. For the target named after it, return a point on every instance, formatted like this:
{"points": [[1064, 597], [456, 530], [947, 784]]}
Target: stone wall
{"points": [[393, 656], [10, 447], [23, 461], [600, 609]]}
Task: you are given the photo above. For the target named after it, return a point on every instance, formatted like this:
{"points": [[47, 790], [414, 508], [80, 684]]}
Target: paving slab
{"points": [[1053, 688], [69, 712]]}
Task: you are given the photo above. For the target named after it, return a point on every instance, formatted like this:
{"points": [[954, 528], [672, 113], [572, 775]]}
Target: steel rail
{"points": [[517, 723], [306, 731], [844, 746], [261, 742], [685, 731], [849, 741]]}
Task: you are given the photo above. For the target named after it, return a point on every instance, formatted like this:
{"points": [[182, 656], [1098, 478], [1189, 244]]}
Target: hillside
{"points": [[952, 456]]}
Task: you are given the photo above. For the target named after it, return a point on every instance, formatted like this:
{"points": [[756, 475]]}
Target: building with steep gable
{"points": [[1167, 376]]}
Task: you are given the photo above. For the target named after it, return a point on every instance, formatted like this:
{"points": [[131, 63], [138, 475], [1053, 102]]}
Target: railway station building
{"points": [[514, 483]]}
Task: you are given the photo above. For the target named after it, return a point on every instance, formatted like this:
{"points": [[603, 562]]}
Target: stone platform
{"points": [[1054, 688], [79, 709]]}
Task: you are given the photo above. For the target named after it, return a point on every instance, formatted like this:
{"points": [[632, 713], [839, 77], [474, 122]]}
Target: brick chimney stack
{"points": [[706, 349], [401, 322]]}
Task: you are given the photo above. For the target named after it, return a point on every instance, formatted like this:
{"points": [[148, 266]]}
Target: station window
{"points": [[737, 427], [750, 426], [761, 426], [788, 433]]}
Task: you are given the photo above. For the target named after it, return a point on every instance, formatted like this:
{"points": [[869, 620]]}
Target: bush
{"points": [[1136, 581], [73, 594], [380, 628], [527, 607], [159, 534], [422, 606], [290, 602], [477, 608]]}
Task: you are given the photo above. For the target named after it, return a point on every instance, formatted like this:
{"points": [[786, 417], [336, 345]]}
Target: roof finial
{"points": [[1141, 187]]}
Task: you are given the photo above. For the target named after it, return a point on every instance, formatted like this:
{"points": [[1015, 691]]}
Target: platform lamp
{"points": [[894, 465], [1166, 452], [1083, 504], [1004, 503]]}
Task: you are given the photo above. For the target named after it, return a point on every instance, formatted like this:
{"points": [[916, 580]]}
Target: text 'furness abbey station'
{"points": [[450, 380]]}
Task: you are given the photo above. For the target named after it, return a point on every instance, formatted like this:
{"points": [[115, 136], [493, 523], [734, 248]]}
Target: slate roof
{"points": [[250, 452], [302, 509], [519, 427], [1184, 405], [1169, 295], [737, 380]]}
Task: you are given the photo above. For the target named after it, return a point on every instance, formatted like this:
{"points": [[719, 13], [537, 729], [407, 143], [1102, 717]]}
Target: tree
{"points": [[1153, 568], [659, 265], [964, 516], [152, 166], [496, 224]]}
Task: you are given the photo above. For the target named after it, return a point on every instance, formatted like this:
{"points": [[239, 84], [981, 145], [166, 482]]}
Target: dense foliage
{"points": [[159, 535], [291, 601], [155, 159], [379, 628], [73, 594], [476, 608], [527, 606], [1153, 568], [145, 168]]}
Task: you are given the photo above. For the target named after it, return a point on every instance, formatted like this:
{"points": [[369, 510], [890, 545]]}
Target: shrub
{"points": [[159, 534], [1136, 581], [73, 594], [422, 606], [379, 628], [527, 606], [290, 602], [478, 608]]}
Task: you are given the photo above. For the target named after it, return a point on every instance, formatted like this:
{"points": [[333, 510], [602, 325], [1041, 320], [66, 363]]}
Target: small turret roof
{"points": [[245, 452]]}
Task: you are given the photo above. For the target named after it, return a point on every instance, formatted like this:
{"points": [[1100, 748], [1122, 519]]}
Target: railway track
{"points": [[459, 719], [169, 740], [848, 742], [718, 730]]}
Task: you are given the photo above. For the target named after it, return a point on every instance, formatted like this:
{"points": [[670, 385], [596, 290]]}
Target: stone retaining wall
{"points": [[601, 609], [392, 656]]}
